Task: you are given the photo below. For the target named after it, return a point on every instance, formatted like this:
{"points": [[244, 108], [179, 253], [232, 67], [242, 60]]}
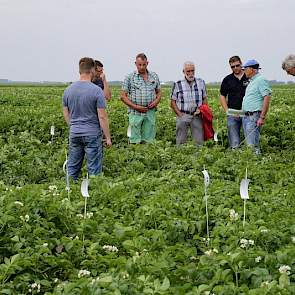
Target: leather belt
{"points": [[191, 113], [252, 113]]}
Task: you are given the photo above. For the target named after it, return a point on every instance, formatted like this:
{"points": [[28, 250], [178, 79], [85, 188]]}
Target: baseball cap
{"points": [[251, 63]]}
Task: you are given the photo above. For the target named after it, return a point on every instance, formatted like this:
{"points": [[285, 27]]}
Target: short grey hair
{"points": [[188, 63], [289, 62]]}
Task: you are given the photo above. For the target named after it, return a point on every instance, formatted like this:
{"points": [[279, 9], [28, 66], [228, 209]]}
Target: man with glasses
{"points": [[232, 91], [255, 104], [100, 80], [186, 98]]}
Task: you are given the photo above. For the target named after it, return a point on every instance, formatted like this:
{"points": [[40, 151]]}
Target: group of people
{"points": [[244, 96]]}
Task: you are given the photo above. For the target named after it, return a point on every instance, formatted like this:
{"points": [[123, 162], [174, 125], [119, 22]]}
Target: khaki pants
{"points": [[185, 122]]}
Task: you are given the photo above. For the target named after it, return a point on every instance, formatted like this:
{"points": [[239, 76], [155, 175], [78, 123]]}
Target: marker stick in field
{"points": [[206, 184]]}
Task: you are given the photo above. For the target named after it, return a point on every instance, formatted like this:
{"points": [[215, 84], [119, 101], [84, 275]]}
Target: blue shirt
{"points": [[257, 89], [83, 98]]}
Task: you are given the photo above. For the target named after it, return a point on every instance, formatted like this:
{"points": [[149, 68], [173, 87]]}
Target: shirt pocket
{"points": [[151, 84]]}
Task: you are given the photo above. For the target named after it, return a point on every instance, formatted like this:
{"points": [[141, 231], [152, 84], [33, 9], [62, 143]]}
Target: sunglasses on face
{"points": [[235, 66]]}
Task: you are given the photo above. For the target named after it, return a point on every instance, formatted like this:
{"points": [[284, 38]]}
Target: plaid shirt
{"points": [[189, 97], [139, 91]]}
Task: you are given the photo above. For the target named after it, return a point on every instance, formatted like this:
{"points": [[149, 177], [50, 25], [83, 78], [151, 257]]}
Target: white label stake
{"points": [[206, 184], [52, 133], [52, 130], [244, 194], [66, 171]]}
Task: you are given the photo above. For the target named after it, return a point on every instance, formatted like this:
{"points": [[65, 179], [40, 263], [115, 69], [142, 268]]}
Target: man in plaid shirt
{"points": [[141, 93], [186, 98]]}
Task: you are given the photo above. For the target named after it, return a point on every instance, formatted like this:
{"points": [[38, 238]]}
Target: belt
{"points": [[191, 113], [188, 112], [252, 113]]}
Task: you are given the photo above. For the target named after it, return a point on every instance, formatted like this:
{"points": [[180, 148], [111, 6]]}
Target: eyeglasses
{"points": [[235, 66]]}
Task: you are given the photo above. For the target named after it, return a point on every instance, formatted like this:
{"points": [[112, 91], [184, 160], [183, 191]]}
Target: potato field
{"points": [[144, 230]]}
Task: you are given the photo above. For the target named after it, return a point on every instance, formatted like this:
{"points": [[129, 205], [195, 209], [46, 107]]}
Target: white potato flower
{"points": [[233, 215], [35, 286], [285, 269], [83, 273], [25, 218], [110, 248], [258, 259]]}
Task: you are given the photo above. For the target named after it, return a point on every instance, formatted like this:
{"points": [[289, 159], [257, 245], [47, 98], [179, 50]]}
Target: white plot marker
{"points": [[215, 137], [206, 184], [66, 171], [129, 133], [52, 130], [84, 188], [244, 194], [84, 192]]}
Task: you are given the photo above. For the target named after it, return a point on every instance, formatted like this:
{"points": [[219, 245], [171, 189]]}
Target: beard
{"points": [[190, 78]]}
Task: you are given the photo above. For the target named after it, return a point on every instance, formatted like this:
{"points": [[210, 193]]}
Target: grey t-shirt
{"points": [[83, 98]]}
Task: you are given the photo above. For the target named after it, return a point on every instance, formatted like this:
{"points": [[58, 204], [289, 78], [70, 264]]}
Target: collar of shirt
{"points": [[149, 76], [242, 77], [255, 77]]}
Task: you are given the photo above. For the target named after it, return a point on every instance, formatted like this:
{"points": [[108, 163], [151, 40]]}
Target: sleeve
{"points": [[126, 84], [223, 88], [158, 84], [100, 102], [174, 92], [204, 91], [264, 88]]}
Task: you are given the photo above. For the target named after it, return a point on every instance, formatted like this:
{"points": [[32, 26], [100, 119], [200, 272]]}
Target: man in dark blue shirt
{"points": [[232, 91], [100, 80]]}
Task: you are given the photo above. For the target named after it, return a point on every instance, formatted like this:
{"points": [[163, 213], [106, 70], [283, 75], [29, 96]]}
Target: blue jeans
{"points": [[252, 131], [234, 125], [78, 147]]}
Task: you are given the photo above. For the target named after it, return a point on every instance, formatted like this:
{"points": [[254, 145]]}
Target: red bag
{"points": [[207, 118]]}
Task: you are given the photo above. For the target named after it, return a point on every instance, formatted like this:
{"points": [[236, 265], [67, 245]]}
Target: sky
{"points": [[44, 40]]}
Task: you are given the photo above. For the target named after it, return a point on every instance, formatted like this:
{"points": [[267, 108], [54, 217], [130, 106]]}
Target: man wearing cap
{"points": [[186, 98], [255, 104], [232, 91], [288, 64]]}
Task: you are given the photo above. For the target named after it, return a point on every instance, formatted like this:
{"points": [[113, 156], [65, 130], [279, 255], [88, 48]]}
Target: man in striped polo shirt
{"points": [[141, 93], [186, 98]]}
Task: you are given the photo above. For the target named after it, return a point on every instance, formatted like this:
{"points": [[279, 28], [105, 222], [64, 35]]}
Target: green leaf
{"points": [[165, 285]]}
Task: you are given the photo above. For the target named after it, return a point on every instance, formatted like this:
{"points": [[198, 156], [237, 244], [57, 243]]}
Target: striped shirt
{"points": [[139, 91], [189, 97]]}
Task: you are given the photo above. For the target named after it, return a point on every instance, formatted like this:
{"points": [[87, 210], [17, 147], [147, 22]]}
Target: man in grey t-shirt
{"points": [[84, 111]]}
